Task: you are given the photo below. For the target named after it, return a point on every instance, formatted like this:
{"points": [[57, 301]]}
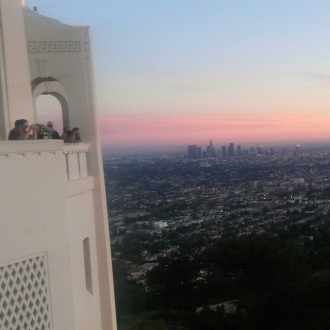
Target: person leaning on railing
{"points": [[71, 136], [22, 131]]}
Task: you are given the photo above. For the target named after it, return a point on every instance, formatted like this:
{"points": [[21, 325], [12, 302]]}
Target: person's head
{"points": [[50, 125], [21, 124]]}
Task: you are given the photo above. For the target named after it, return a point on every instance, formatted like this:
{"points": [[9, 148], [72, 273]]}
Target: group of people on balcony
{"points": [[24, 131]]}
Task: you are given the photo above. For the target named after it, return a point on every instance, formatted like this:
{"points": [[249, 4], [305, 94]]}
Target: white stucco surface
{"points": [[52, 195]]}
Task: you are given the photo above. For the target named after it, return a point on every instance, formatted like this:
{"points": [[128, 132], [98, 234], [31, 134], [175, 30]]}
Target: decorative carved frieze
{"points": [[53, 46]]}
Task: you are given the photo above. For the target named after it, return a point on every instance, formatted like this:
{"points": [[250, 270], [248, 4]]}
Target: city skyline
{"points": [[182, 73]]}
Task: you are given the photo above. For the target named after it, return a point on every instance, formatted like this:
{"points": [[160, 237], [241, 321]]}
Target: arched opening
{"points": [[49, 108], [51, 104]]}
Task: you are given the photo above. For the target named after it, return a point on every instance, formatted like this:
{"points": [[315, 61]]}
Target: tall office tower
{"points": [[199, 152], [259, 149], [231, 150], [210, 150], [194, 152], [55, 261], [239, 150], [224, 151]]}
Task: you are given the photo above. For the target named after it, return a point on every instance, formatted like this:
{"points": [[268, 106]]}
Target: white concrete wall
{"points": [[52, 197], [15, 79], [33, 217], [81, 225], [66, 50], [41, 212]]}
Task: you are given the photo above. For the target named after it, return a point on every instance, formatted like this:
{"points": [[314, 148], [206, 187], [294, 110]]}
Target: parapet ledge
{"points": [[73, 148], [40, 146], [35, 146]]}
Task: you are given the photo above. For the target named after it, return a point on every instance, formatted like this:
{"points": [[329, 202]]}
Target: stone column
{"points": [[14, 66]]}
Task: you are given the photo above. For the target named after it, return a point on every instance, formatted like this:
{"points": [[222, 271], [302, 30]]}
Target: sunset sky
{"points": [[178, 72]]}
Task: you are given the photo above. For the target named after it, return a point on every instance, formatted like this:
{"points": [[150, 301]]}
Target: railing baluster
{"points": [[75, 160]]}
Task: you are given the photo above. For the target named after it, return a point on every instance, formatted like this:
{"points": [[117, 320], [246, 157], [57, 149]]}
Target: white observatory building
{"points": [[55, 260]]}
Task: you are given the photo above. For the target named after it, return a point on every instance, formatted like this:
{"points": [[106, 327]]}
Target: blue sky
{"points": [[239, 70]]}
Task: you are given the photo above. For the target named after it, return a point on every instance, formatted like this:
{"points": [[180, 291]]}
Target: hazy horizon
{"points": [[135, 150]]}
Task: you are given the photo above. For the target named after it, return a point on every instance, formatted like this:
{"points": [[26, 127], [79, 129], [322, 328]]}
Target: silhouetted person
{"points": [[52, 134], [22, 131]]}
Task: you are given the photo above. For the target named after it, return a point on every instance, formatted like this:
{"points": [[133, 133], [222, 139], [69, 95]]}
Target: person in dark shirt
{"points": [[52, 134], [22, 131]]}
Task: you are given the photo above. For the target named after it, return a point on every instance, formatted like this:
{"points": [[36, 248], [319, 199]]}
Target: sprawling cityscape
{"points": [[208, 239]]}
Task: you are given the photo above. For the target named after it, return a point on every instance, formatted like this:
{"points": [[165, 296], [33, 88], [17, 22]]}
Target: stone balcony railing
{"points": [[74, 155]]}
